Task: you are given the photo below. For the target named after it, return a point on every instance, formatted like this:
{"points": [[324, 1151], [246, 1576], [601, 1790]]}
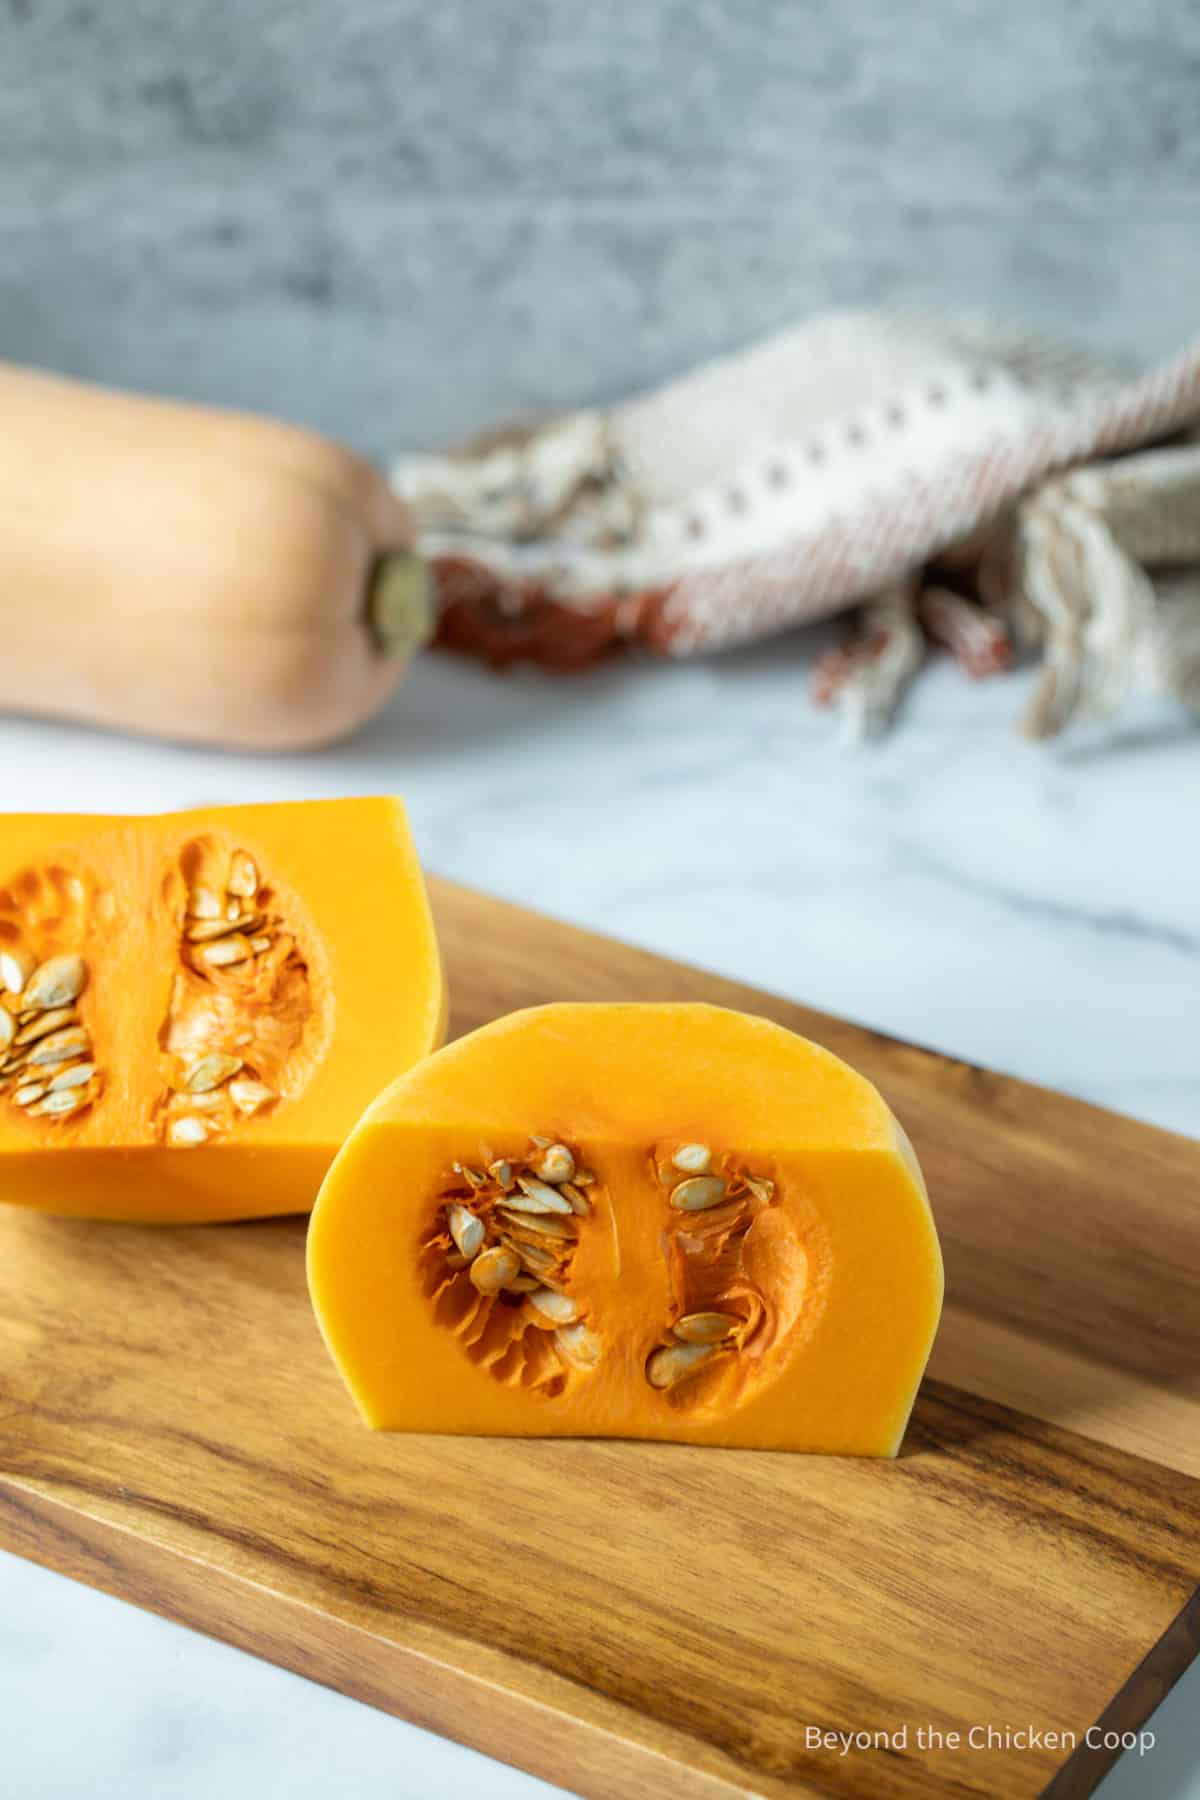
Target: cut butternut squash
{"points": [[195, 1007], [645, 1221], [196, 574]]}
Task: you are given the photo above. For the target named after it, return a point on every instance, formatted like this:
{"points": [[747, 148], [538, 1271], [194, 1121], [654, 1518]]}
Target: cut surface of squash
{"points": [[647, 1221], [194, 1007]]}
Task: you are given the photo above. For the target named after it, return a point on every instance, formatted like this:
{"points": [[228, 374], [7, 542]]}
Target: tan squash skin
{"points": [[188, 573]]}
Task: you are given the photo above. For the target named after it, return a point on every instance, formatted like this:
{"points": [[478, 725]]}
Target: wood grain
{"points": [[657, 1620]]}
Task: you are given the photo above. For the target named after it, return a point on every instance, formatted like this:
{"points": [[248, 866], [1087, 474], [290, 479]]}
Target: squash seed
{"points": [[541, 1225], [668, 1366], [16, 966], [521, 1284], [559, 1307], [248, 1095], [705, 1327], [555, 1163], [493, 1268], [693, 1159], [225, 951], [536, 1197], [580, 1346], [243, 877], [185, 1132], [259, 944], [8, 1028], [466, 1230], [579, 1200], [78, 1075], [25, 1096], [206, 931], [60, 1044], [212, 1102], [696, 1195], [63, 1102], [210, 1072], [502, 1172], [43, 1023], [57, 982], [204, 904], [530, 1257], [762, 1190]]}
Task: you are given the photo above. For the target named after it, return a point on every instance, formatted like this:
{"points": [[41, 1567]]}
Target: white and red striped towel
{"points": [[949, 481]]}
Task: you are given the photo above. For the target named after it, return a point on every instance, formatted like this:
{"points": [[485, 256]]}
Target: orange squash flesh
{"points": [[245, 978], [788, 1301]]}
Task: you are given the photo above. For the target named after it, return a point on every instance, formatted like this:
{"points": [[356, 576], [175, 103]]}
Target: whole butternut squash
{"points": [[196, 574]]}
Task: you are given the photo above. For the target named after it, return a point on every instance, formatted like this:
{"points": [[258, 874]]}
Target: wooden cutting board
{"points": [[655, 1620]]}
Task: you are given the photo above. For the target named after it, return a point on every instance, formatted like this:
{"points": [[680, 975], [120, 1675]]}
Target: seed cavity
{"points": [[497, 1264], [240, 995], [727, 1286]]}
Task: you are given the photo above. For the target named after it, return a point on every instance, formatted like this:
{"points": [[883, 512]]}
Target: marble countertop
{"points": [[1035, 909]]}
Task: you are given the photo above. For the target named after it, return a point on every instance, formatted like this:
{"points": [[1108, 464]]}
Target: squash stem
{"points": [[400, 605]]}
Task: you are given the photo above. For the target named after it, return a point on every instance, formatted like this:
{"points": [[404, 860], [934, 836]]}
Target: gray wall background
{"points": [[397, 221]]}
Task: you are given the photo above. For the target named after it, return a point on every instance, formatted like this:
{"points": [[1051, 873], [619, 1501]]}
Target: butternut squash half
{"points": [[196, 574], [644, 1221], [194, 1008]]}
